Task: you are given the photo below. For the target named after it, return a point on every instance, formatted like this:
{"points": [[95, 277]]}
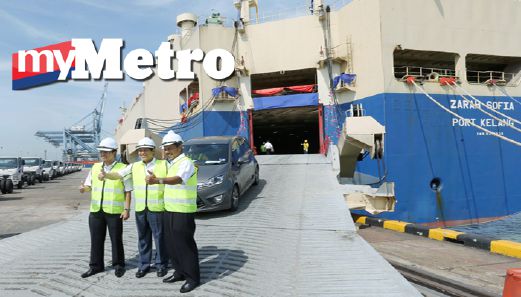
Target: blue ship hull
{"points": [[478, 173]]}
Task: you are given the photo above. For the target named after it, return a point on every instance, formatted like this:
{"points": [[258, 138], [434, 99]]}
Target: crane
{"points": [[79, 141]]}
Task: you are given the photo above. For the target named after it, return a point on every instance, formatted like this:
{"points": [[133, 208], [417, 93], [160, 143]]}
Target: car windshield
{"points": [[207, 154], [7, 163], [31, 162], [47, 164]]}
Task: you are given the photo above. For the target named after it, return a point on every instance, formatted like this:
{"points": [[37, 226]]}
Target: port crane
{"points": [[79, 141]]}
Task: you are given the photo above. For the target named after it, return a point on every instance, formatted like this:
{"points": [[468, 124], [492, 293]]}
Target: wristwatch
{"points": [[160, 181], [127, 209]]}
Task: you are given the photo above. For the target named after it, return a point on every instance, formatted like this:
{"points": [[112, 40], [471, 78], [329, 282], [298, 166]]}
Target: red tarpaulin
{"points": [[302, 88], [267, 92], [275, 91]]}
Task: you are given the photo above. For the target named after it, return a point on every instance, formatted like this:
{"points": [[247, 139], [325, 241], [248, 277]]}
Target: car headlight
{"points": [[216, 180]]}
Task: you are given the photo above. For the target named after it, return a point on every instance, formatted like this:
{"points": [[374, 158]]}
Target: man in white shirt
{"points": [[269, 147], [109, 206], [180, 208], [149, 206]]}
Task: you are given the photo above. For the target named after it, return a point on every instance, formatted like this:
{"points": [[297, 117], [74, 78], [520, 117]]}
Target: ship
{"points": [[415, 102]]}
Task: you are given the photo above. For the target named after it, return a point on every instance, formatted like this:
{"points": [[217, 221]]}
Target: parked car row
{"points": [[59, 168], [15, 171]]}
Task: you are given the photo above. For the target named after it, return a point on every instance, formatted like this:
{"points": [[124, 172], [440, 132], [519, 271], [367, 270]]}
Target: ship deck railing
{"points": [[402, 72], [485, 77]]}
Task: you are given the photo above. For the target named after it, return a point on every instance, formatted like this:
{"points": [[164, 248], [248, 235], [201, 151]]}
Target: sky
{"points": [[31, 24]]}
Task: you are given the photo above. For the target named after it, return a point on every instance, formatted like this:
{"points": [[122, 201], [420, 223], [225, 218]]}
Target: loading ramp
{"points": [[292, 236]]}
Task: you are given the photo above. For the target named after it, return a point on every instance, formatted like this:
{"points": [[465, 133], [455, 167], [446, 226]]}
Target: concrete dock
{"points": [[292, 236], [446, 262]]}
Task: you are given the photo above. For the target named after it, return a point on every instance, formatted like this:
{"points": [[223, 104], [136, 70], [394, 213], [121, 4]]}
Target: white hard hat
{"points": [[146, 143], [107, 145], [170, 138]]}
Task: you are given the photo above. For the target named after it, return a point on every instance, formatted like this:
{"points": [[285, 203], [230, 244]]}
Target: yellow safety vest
{"points": [[181, 198], [148, 196], [110, 194]]}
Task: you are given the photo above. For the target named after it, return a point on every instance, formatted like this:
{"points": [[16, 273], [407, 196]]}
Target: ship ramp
{"points": [[291, 236]]}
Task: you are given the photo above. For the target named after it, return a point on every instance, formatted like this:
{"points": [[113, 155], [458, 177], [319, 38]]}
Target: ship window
{"points": [[357, 110], [425, 64], [485, 69]]}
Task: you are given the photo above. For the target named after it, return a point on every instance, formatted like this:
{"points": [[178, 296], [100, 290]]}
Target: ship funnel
{"points": [[186, 21]]}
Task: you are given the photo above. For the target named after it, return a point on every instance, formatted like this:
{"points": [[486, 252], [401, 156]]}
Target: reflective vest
{"points": [[181, 198], [109, 193], [148, 196]]}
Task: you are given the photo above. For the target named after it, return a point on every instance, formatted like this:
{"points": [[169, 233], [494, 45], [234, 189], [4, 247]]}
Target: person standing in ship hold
{"points": [[109, 206], [269, 147], [305, 146], [149, 205], [180, 208]]}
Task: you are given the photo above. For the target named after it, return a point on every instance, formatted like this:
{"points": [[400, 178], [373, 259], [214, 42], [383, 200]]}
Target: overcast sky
{"points": [[30, 24]]}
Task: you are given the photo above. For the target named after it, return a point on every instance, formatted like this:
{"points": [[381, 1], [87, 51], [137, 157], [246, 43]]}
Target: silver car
{"points": [[226, 169]]}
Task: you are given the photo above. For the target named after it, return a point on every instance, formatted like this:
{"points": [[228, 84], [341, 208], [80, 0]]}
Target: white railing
{"points": [[480, 77], [404, 71]]}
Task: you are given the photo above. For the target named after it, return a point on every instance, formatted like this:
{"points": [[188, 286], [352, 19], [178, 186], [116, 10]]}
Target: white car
{"points": [[48, 170]]}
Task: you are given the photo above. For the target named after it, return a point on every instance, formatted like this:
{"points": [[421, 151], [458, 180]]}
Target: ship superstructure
{"points": [[423, 95]]}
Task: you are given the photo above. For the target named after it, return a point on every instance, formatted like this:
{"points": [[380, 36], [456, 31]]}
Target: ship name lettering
{"points": [[495, 123], [463, 104], [500, 105], [463, 122]]}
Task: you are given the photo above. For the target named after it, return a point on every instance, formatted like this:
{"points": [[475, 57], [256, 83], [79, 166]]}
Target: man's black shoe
{"points": [[188, 286], [141, 273], [120, 271], [173, 278], [161, 272], [91, 272]]}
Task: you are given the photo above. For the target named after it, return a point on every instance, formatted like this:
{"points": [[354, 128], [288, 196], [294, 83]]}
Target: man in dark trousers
{"points": [[109, 206], [180, 207], [149, 206]]}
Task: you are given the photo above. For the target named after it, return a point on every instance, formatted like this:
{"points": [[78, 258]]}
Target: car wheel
{"points": [[235, 199], [20, 184], [9, 186], [256, 178], [3, 189]]}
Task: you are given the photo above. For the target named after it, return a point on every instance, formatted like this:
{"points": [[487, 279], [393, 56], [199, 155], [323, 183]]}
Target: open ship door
{"points": [[359, 134]]}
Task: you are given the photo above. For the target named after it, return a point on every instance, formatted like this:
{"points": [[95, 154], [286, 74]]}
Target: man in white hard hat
{"points": [[180, 207], [110, 203], [149, 206]]}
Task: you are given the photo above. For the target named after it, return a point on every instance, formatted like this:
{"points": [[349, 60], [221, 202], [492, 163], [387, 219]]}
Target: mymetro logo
{"points": [[79, 59]]}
